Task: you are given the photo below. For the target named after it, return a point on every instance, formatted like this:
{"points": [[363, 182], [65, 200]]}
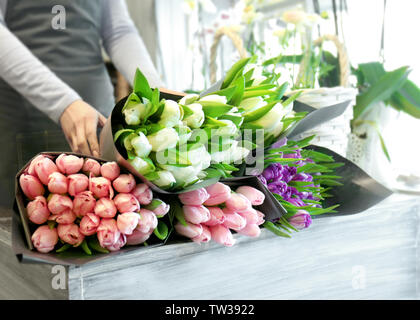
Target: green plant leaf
{"points": [[238, 94], [236, 69], [94, 244], [274, 229], [132, 99], [407, 99], [141, 85], [161, 231], [214, 109], [179, 214], [86, 248], [291, 98], [258, 113], [228, 92], [65, 247]]}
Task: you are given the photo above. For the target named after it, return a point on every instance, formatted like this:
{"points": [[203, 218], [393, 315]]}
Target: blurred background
{"points": [[192, 43]]}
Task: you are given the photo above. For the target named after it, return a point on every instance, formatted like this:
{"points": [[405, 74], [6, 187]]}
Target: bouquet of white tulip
{"points": [[176, 144]]}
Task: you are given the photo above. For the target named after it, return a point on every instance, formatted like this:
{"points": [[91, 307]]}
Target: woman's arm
{"points": [[124, 45]]}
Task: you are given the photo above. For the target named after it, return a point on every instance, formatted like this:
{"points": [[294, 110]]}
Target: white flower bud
{"points": [[188, 99], [171, 114], [141, 145], [215, 98], [252, 103], [195, 120], [142, 166], [163, 139], [165, 180], [133, 114]]}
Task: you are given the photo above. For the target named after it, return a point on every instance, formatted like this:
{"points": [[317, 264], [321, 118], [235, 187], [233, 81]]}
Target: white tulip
{"points": [[134, 113], [184, 133], [195, 120], [271, 118], [141, 145], [189, 98], [163, 139], [142, 166], [231, 155], [215, 98], [229, 130], [165, 180], [253, 103], [171, 114], [183, 175]]}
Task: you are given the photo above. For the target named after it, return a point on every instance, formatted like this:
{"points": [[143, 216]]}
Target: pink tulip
{"points": [[31, 186], [121, 241], [143, 193], [58, 203], [57, 183], [124, 183], [238, 202], [83, 203], [233, 220], [260, 217], [126, 202], [194, 198], [110, 170], [148, 221], [159, 207], [190, 230], [222, 235], [43, 168], [251, 216], [255, 196], [137, 237], [101, 187], [77, 183], [108, 233], [251, 230], [38, 210], [196, 214], [31, 168], [219, 193], [89, 224], [65, 217], [204, 237], [91, 166], [216, 217], [69, 164], [70, 233], [127, 222], [44, 239], [105, 208], [301, 219]]}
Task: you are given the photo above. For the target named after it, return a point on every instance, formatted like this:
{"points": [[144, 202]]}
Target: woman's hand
{"points": [[79, 122]]}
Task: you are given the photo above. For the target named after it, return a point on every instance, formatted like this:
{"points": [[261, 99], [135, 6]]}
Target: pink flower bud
{"points": [[196, 214], [260, 217], [69, 164], [31, 186], [222, 235], [301, 220], [126, 202], [204, 237], [190, 230], [143, 193], [105, 208], [108, 233], [219, 193], [127, 222], [110, 170], [148, 221], [255, 196], [77, 183], [31, 168], [138, 237], [101, 187], [58, 203], [159, 207], [91, 166], [194, 198], [250, 215], [65, 217], [238, 202], [233, 220], [70, 234], [216, 216], [121, 241], [57, 183], [44, 239], [44, 167], [89, 224], [124, 183], [83, 203], [37, 210], [251, 230]]}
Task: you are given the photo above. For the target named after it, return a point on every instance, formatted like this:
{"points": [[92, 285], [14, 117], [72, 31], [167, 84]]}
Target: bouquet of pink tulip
{"points": [[88, 203], [212, 212]]}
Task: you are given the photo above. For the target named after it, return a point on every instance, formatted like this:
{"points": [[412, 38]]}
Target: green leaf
{"points": [[407, 99], [179, 213], [258, 113], [51, 224], [65, 247], [214, 109], [228, 92], [85, 248], [141, 85], [120, 132], [291, 98], [239, 91], [132, 99], [261, 87], [161, 231], [236, 69], [274, 229], [187, 111], [258, 93], [279, 93], [318, 211], [380, 91], [94, 244], [212, 122], [153, 205], [236, 119]]}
